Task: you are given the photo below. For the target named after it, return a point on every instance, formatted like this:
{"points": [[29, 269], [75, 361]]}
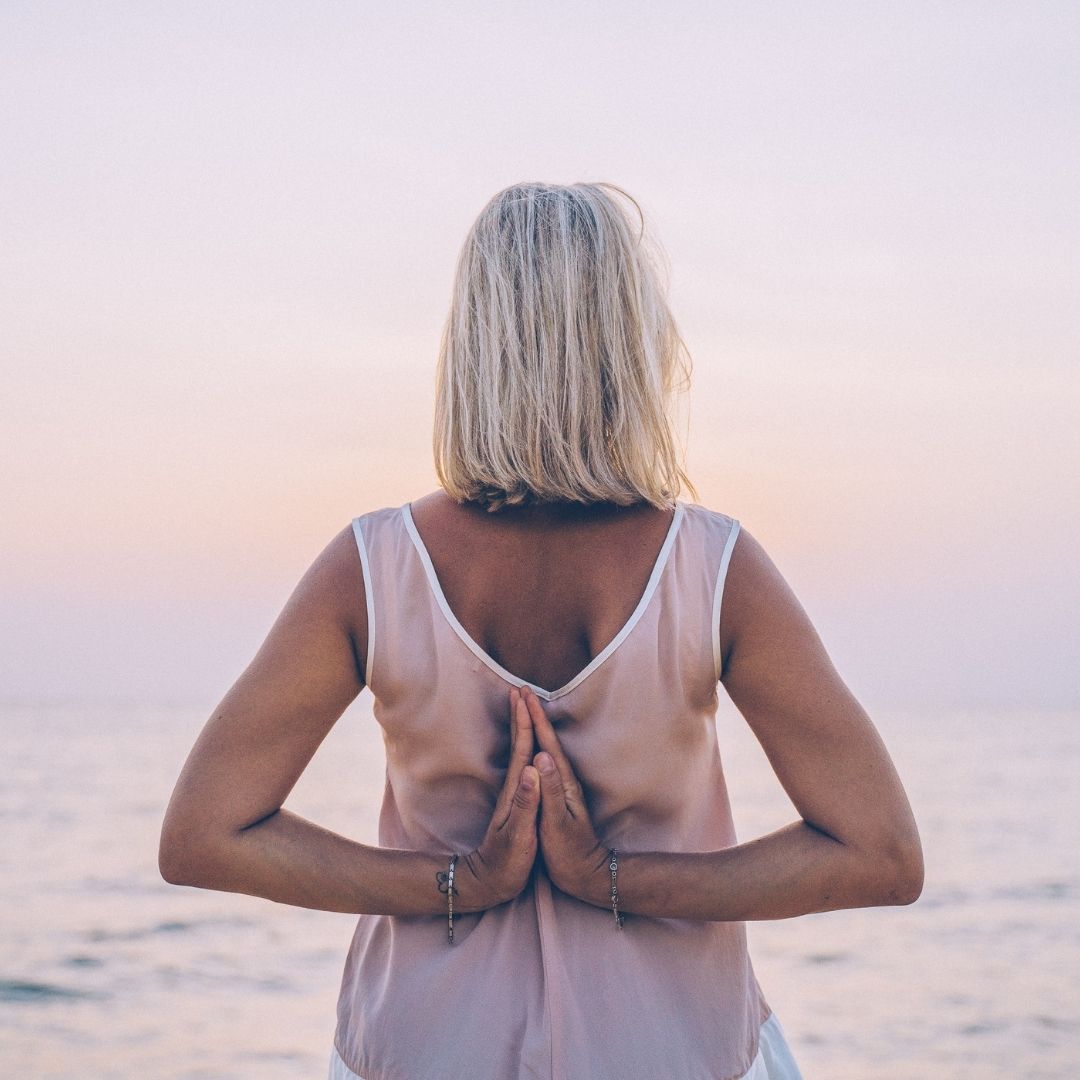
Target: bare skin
{"points": [[542, 591]]}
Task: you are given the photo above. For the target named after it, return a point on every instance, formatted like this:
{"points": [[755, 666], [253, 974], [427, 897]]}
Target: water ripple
{"points": [[169, 926], [27, 992]]}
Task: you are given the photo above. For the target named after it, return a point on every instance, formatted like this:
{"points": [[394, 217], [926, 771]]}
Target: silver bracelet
{"points": [[450, 899], [613, 866], [445, 880]]}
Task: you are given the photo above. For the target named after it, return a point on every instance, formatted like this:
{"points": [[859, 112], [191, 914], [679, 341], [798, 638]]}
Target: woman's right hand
{"points": [[500, 867]]}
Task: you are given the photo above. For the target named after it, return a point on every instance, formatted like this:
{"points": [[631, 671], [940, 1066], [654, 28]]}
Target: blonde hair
{"points": [[559, 356]]}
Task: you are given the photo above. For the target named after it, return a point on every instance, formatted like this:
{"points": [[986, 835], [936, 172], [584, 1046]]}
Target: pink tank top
{"points": [[546, 986]]}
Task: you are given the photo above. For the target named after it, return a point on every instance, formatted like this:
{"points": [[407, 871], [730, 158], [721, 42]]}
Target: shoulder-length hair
{"points": [[559, 356]]}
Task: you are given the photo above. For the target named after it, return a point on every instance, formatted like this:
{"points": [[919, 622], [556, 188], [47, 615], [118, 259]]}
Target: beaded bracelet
{"points": [[450, 899], [613, 866], [445, 881]]}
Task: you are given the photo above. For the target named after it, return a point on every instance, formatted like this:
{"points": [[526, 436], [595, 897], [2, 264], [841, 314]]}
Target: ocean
{"points": [[107, 971]]}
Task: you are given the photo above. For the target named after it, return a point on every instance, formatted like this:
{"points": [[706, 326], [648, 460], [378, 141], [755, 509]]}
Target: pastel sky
{"points": [[227, 235]]}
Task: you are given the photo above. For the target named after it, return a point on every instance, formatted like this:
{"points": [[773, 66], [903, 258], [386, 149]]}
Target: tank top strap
{"points": [[703, 559], [392, 588]]}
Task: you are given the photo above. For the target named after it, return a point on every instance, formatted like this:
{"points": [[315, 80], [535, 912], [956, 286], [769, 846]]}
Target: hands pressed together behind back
{"points": [[540, 810]]}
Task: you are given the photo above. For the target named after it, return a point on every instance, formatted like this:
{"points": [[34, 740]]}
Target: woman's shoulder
{"points": [[341, 566], [709, 516], [382, 513]]}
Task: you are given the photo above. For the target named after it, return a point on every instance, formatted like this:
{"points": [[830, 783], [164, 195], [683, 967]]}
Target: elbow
{"points": [[169, 868], [183, 857], [910, 886], [175, 848], [887, 872], [195, 852], [903, 873], [174, 862]]}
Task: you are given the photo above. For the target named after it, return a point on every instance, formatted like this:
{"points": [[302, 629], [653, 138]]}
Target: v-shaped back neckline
{"points": [[507, 675]]}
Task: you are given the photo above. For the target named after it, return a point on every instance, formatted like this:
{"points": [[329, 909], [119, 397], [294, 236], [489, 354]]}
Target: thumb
{"points": [[554, 796], [527, 796]]}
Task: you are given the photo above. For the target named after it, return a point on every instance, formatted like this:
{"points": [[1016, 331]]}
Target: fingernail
{"points": [[526, 780], [546, 763]]}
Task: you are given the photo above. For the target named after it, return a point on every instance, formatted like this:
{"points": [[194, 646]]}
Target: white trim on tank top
{"points": [[718, 596], [369, 597], [608, 649]]}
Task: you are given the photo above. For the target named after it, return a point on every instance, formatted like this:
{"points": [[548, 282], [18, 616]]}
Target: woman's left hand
{"points": [[572, 853]]}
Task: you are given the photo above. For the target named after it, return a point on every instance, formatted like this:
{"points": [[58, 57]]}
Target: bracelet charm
{"points": [[613, 866]]}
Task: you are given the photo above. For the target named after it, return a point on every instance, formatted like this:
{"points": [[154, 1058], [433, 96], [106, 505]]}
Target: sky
{"points": [[227, 239]]}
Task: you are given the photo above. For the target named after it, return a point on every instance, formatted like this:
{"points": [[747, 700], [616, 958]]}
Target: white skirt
{"points": [[774, 1060]]}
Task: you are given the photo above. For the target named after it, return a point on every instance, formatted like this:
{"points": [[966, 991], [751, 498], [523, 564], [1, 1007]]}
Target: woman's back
{"points": [[578, 571], [546, 985]]}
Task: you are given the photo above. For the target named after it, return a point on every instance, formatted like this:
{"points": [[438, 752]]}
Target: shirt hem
{"points": [[758, 1067]]}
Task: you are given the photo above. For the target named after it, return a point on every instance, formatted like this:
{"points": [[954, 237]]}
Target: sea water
{"points": [[108, 971]]}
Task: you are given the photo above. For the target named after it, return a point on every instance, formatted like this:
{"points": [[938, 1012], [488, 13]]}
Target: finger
{"points": [[521, 752], [519, 820], [526, 801], [523, 749], [549, 741], [553, 804]]}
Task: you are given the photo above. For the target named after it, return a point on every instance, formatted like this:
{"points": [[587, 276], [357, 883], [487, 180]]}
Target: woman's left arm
{"points": [[856, 843]]}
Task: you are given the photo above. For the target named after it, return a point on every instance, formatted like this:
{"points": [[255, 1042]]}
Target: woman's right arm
{"points": [[226, 827], [856, 843]]}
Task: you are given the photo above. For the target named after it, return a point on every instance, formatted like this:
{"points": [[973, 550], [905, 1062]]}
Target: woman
{"points": [[558, 890]]}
